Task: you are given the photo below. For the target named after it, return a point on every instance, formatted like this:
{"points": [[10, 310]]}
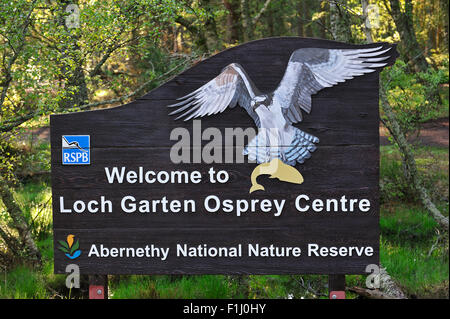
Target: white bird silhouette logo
{"points": [[74, 144]]}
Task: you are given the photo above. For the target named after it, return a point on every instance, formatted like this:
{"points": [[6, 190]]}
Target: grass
{"points": [[408, 235], [417, 274], [433, 165], [23, 283], [174, 287], [406, 224], [408, 231]]}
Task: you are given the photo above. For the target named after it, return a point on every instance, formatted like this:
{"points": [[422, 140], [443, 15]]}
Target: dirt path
{"points": [[433, 133], [42, 133]]}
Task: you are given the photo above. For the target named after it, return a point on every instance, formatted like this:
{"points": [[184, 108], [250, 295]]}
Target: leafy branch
{"points": [[15, 122]]}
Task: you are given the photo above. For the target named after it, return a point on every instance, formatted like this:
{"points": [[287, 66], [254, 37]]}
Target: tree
{"points": [[233, 23], [410, 47], [202, 25], [367, 32], [48, 66], [14, 38], [339, 21], [249, 22], [443, 5]]}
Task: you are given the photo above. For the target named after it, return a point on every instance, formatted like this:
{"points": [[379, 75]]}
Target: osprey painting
{"points": [[309, 70]]}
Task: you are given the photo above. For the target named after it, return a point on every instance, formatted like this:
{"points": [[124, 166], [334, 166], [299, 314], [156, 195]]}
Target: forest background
{"points": [[66, 56]]}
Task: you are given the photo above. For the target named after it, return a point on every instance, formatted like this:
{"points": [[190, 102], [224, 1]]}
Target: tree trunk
{"points": [[19, 221], [211, 35], [443, 4], [11, 242], [270, 25], [367, 31], [174, 39], [389, 286], [198, 37], [232, 21], [339, 24], [301, 21], [307, 6], [409, 161], [76, 92], [246, 21], [409, 46]]}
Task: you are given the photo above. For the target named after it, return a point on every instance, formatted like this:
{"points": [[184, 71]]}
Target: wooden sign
{"points": [[271, 168]]}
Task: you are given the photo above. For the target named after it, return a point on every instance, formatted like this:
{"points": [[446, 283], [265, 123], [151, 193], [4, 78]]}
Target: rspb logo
{"points": [[69, 248], [76, 150]]}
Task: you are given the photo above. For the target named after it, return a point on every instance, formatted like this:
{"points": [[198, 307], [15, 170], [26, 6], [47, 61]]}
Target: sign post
{"points": [[336, 286], [263, 159], [98, 287]]}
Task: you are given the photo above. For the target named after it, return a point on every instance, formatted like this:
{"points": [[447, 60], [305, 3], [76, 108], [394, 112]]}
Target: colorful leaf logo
{"points": [[69, 248]]}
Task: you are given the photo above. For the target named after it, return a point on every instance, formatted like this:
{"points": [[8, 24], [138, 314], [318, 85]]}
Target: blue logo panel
{"points": [[76, 150]]}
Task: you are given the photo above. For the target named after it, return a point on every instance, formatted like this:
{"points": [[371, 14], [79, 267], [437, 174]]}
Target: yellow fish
{"points": [[275, 168], [70, 240]]}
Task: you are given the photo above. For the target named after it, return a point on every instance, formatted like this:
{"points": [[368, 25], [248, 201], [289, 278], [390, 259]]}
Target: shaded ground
{"points": [[433, 133], [42, 133]]}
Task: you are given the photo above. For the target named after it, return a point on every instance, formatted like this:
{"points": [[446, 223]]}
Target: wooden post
{"points": [[98, 287], [336, 286]]}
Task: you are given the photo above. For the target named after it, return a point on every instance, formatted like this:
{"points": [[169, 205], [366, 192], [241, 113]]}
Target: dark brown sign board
{"points": [[286, 229]]}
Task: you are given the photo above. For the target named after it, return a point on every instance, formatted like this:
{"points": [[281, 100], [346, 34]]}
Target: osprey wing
{"points": [[311, 69], [231, 87]]}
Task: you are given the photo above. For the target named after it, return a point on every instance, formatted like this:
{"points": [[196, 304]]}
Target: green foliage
{"points": [[23, 283], [35, 201], [47, 63], [408, 231], [170, 287], [34, 158], [408, 235], [432, 163], [407, 224], [394, 185], [273, 287], [9, 158], [133, 287], [22, 157], [415, 272], [122, 44], [217, 287], [415, 97], [287, 287]]}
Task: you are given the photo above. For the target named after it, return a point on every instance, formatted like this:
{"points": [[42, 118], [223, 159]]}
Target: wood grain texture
{"points": [[344, 117], [214, 238]]}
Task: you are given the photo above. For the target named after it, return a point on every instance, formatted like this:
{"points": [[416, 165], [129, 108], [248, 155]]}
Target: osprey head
{"points": [[264, 99]]}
